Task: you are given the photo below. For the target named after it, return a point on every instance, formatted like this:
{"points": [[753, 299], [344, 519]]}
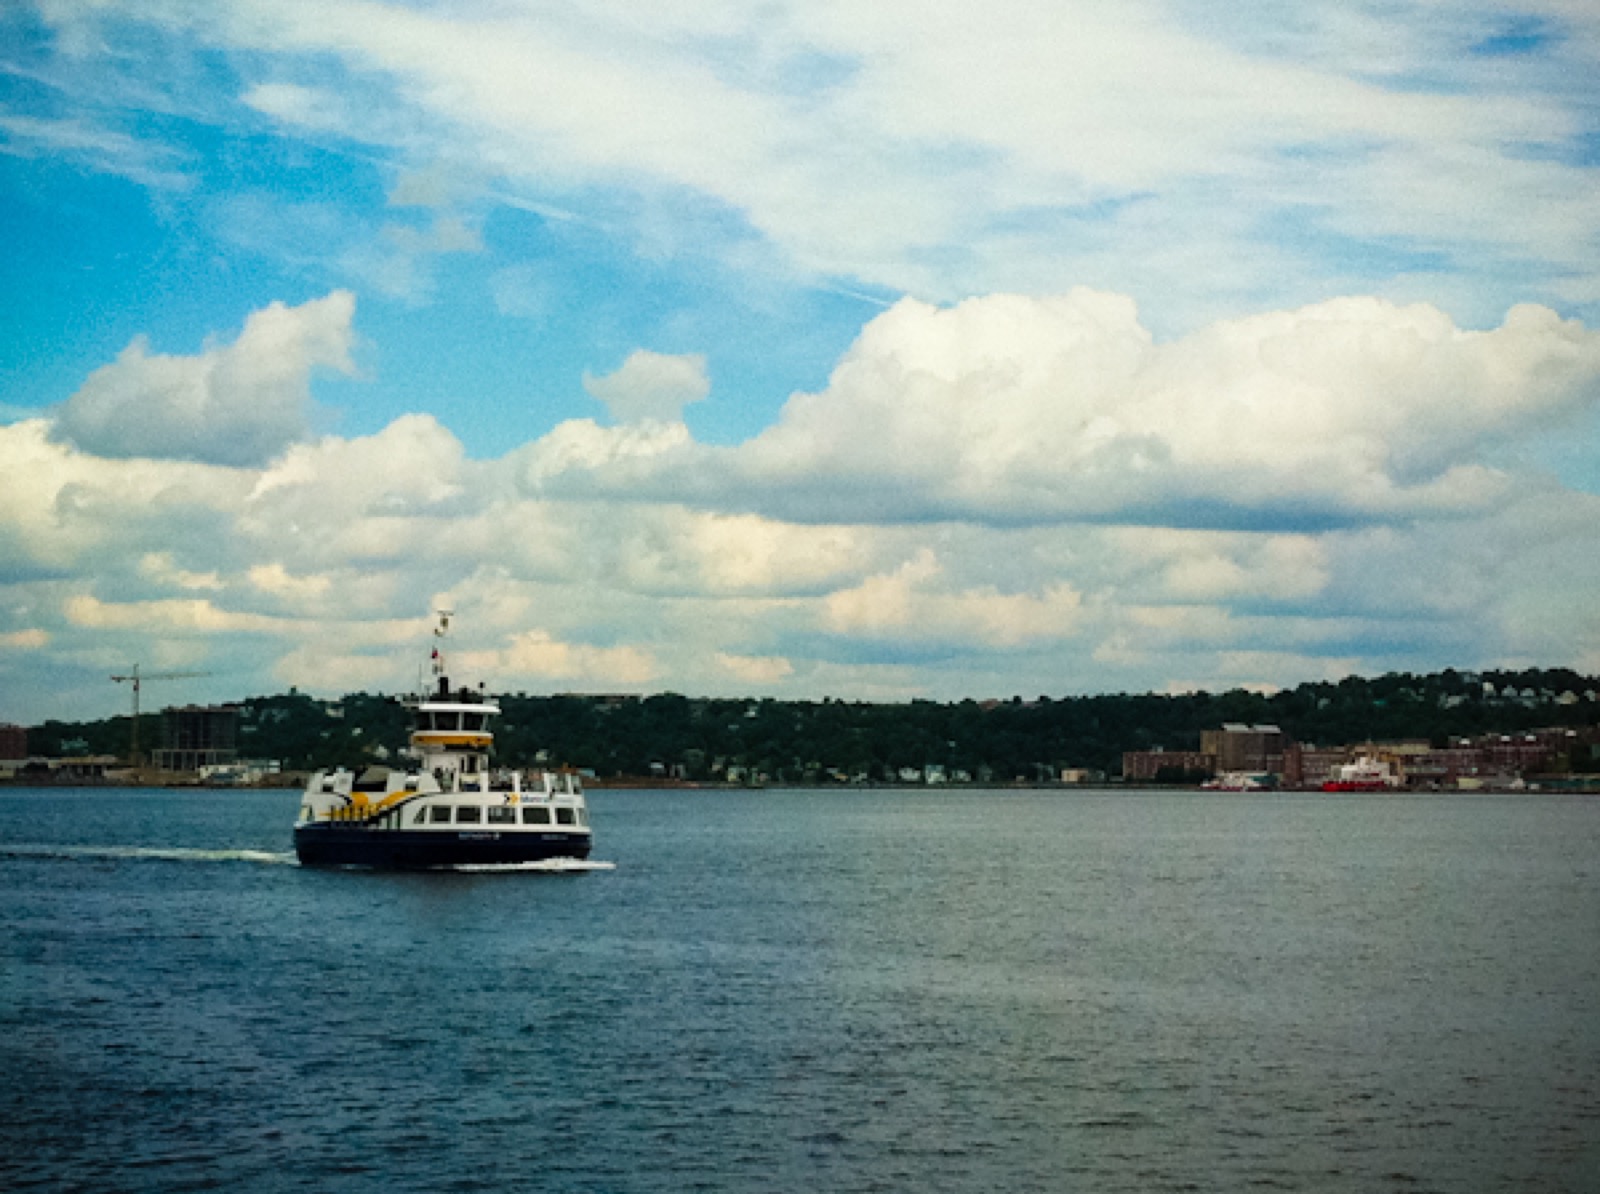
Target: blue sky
{"points": [[794, 349]]}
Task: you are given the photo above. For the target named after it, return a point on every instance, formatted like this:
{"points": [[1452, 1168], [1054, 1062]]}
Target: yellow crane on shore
{"points": [[136, 679]]}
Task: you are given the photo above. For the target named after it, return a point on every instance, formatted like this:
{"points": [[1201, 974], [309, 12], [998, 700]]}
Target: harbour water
{"points": [[812, 990]]}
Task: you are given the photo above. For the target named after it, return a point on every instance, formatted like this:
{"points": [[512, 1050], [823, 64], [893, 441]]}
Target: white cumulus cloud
{"points": [[1015, 410], [914, 602], [537, 655], [651, 387], [758, 670], [237, 404]]}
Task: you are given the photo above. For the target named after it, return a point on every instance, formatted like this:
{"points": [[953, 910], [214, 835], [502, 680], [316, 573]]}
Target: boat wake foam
{"points": [[149, 853], [549, 866]]}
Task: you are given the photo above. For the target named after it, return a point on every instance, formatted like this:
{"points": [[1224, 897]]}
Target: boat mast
{"points": [[440, 673]]}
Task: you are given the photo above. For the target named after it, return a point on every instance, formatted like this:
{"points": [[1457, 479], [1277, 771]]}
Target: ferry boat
{"points": [[1366, 774], [448, 807]]}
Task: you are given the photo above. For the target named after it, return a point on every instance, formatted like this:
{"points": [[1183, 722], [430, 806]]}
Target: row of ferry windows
{"points": [[498, 814], [471, 722]]}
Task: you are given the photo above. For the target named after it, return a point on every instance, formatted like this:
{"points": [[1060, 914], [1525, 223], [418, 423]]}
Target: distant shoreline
{"points": [[287, 782]]}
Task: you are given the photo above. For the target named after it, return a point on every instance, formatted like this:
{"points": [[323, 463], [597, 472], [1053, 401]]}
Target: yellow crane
{"points": [[136, 679]]}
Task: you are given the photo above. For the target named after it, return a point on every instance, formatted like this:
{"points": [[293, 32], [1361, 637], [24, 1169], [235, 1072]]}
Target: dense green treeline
{"points": [[796, 741]]}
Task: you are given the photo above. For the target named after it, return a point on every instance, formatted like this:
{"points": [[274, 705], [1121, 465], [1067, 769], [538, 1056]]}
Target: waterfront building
{"points": [[1144, 766], [13, 743], [1308, 765], [1515, 754], [197, 736], [1245, 748]]}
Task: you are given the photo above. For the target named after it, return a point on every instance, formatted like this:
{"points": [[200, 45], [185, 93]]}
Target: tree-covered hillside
{"points": [[796, 741]]}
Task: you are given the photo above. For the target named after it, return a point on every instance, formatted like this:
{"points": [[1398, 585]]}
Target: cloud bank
{"points": [[1013, 411], [1005, 496]]}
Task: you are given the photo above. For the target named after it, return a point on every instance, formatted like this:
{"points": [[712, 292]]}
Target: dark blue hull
{"points": [[415, 850]]}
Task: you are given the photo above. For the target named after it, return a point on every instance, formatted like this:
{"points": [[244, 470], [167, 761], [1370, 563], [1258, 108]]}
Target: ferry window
{"points": [[532, 815], [474, 721], [564, 817], [441, 812], [469, 813], [502, 814], [422, 815]]}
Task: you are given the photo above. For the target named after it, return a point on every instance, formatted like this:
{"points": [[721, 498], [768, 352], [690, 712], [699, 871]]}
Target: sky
{"points": [[794, 349]]}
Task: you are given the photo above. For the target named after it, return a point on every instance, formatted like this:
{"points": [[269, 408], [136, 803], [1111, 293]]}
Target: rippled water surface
{"points": [[980, 991]]}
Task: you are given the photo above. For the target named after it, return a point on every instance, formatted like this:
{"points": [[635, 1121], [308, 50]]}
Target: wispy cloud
{"points": [[867, 148], [73, 139]]}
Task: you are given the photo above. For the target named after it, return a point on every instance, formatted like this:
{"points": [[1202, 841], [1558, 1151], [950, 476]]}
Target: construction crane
{"points": [[135, 679]]}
